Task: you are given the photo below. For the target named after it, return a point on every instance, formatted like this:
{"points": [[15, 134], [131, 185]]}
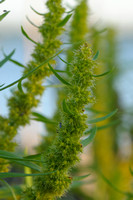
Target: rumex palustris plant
{"points": [[64, 152], [77, 31], [21, 103]]}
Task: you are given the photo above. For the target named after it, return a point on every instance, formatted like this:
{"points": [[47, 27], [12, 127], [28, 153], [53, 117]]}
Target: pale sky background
{"points": [[118, 13]]}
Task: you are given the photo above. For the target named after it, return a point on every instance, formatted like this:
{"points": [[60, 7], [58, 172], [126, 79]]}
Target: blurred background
{"points": [[117, 17]]}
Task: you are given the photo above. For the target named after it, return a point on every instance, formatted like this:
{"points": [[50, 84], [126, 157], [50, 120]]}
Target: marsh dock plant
{"points": [[77, 32], [64, 152], [21, 103]]}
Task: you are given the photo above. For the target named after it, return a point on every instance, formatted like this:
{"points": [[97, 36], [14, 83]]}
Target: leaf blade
{"points": [[76, 184], [31, 22], [65, 20], [12, 174], [25, 162], [103, 74], [42, 118], [36, 11], [17, 63], [26, 35], [20, 87], [2, 1], [64, 60], [90, 138], [7, 58], [3, 15], [96, 55], [103, 118], [78, 178], [30, 72], [58, 76]]}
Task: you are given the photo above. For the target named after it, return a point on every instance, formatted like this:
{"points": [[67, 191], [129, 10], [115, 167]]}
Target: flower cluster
{"points": [[64, 152]]}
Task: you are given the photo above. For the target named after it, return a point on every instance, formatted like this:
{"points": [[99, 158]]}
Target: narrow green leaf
{"points": [[90, 138], [31, 22], [70, 11], [109, 124], [33, 156], [103, 118], [103, 127], [94, 111], [22, 159], [30, 72], [65, 108], [58, 76], [36, 11], [14, 61], [96, 55], [2, 1], [17, 63], [10, 188], [88, 131], [76, 184], [25, 162], [12, 174], [79, 178], [62, 71], [7, 58], [64, 60], [42, 118], [26, 35], [65, 20], [3, 15], [2, 85], [103, 74], [20, 87]]}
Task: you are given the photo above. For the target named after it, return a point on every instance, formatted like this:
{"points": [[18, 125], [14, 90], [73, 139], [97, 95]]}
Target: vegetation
{"points": [[86, 103]]}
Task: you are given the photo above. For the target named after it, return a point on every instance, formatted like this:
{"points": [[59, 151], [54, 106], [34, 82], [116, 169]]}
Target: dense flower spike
{"points": [[64, 153], [21, 104], [77, 33]]}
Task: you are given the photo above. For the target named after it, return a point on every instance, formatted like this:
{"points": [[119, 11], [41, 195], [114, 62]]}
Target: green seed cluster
{"points": [[21, 104], [64, 153], [78, 31]]}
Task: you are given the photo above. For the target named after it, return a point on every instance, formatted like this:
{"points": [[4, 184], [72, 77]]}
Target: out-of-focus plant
{"points": [[109, 163]]}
